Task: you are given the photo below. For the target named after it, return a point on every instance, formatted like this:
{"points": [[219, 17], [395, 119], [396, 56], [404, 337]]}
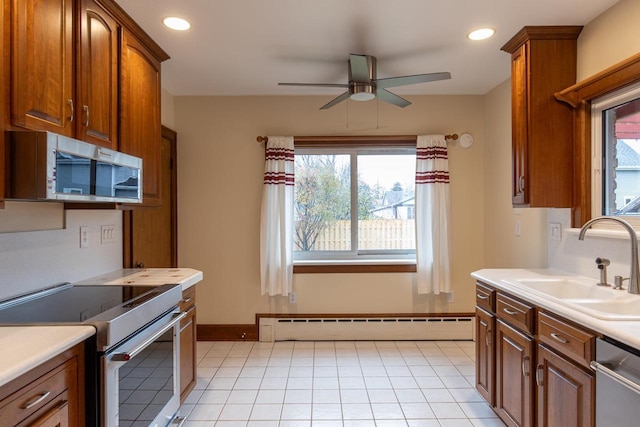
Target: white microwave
{"points": [[48, 166]]}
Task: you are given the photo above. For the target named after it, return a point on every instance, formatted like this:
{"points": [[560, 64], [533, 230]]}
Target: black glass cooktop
{"points": [[71, 303]]}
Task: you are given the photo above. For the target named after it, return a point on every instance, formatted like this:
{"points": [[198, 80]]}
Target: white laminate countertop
{"points": [[627, 331], [25, 347], [186, 277]]}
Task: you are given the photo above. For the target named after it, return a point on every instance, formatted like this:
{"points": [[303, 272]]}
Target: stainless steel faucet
{"points": [[634, 274]]}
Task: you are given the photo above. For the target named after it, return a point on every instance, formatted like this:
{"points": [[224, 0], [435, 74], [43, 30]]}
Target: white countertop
{"points": [[186, 277], [627, 332], [25, 347]]}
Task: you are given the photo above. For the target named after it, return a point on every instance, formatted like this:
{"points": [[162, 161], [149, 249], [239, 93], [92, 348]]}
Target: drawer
{"points": [[188, 298], [576, 343], [27, 401], [514, 312], [485, 297]]}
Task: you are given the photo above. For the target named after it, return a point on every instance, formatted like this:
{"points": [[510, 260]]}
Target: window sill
{"points": [[354, 266]]}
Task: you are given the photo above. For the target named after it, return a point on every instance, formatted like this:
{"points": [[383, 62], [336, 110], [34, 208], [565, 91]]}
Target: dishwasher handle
{"points": [[604, 369]]}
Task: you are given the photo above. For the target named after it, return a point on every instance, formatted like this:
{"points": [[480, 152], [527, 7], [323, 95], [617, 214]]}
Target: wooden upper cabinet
{"points": [[97, 76], [543, 63], [42, 83], [140, 127]]}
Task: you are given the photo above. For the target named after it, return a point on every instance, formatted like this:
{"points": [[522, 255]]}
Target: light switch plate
{"points": [[84, 236]]}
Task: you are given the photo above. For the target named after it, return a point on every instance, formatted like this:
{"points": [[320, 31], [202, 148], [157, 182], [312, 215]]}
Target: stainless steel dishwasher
{"points": [[617, 384]]}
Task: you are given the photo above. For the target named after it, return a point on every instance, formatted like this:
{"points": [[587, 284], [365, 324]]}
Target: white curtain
{"points": [[276, 221], [432, 215]]}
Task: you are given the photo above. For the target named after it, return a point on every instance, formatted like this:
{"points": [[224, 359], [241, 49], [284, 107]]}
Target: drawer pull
{"points": [[186, 300], [509, 312], [539, 372], [525, 366], [480, 296], [36, 400], [559, 338]]}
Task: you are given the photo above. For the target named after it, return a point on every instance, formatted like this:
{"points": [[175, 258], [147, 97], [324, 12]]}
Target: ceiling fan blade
{"points": [[411, 80], [359, 69], [314, 84], [386, 96], [335, 101]]}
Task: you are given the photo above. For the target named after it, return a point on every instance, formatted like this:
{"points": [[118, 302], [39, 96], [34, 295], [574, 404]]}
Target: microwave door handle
{"points": [[128, 355]]}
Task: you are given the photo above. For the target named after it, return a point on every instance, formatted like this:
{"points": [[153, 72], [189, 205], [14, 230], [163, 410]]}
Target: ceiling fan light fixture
{"points": [[363, 92], [175, 23], [481, 33]]}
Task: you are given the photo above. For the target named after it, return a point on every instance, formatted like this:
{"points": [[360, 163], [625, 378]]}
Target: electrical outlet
{"points": [[84, 236], [293, 298], [555, 231], [450, 297], [518, 228]]}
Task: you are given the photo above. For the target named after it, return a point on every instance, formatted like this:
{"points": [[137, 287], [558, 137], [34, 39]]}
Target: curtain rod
{"points": [[451, 137]]}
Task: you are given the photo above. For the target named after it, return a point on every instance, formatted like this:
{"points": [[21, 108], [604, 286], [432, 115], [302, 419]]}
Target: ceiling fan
{"points": [[364, 86]]}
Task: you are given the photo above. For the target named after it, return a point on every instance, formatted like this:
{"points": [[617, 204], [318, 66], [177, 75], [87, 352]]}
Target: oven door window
{"points": [[146, 382]]}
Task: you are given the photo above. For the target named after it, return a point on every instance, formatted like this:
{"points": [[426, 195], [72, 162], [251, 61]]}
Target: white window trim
{"points": [[597, 107]]}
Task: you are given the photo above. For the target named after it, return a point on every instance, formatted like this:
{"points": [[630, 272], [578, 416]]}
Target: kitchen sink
{"points": [[568, 289]]}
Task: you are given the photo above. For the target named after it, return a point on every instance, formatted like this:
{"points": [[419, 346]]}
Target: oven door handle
{"points": [[604, 369], [128, 355]]}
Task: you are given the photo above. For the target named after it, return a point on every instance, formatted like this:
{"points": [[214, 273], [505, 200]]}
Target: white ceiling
{"points": [[245, 47]]}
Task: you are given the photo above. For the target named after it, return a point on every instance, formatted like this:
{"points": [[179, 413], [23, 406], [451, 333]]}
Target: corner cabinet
{"points": [[140, 127], [543, 62], [51, 394], [537, 373]]}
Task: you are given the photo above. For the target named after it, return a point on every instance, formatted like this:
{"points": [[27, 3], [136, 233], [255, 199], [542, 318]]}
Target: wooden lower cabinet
{"points": [[188, 343], [485, 355], [565, 392], [52, 394], [514, 366]]}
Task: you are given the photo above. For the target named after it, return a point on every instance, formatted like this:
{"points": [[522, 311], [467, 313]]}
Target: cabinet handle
{"points": [[559, 338], [85, 108], [187, 300], [487, 337], [521, 181], [36, 400], [525, 366], [509, 312], [71, 110], [539, 373], [480, 296]]}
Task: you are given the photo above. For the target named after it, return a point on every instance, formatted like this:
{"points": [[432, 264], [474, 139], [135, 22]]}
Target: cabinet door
{"points": [[56, 417], [42, 91], [485, 355], [97, 76], [187, 353], [520, 120], [565, 392], [514, 365], [140, 129]]}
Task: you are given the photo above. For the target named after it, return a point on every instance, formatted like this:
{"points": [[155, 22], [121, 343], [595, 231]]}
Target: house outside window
{"points": [[354, 203]]}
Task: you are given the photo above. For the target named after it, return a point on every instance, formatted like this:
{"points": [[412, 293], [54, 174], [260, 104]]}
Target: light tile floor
{"points": [[337, 384]]}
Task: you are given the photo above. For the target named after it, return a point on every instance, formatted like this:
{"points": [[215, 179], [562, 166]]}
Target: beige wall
{"points": [[609, 38], [220, 167], [502, 248]]}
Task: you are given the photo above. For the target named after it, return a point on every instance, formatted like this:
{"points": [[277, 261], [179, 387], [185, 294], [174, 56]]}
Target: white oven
{"points": [[140, 378]]}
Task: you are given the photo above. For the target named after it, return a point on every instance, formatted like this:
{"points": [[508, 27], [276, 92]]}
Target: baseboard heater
{"points": [[366, 328]]}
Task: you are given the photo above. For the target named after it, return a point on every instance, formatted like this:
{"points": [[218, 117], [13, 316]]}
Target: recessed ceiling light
{"points": [[176, 23], [481, 34]]}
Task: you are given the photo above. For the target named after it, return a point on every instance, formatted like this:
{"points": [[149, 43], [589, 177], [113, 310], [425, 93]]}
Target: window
{"points": [[354, 203], [616, 154]]}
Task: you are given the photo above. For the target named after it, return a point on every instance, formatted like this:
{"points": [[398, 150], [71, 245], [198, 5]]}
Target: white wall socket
{"points": [[450, 296], [293, 298], [84, 236], [555, 231]]}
